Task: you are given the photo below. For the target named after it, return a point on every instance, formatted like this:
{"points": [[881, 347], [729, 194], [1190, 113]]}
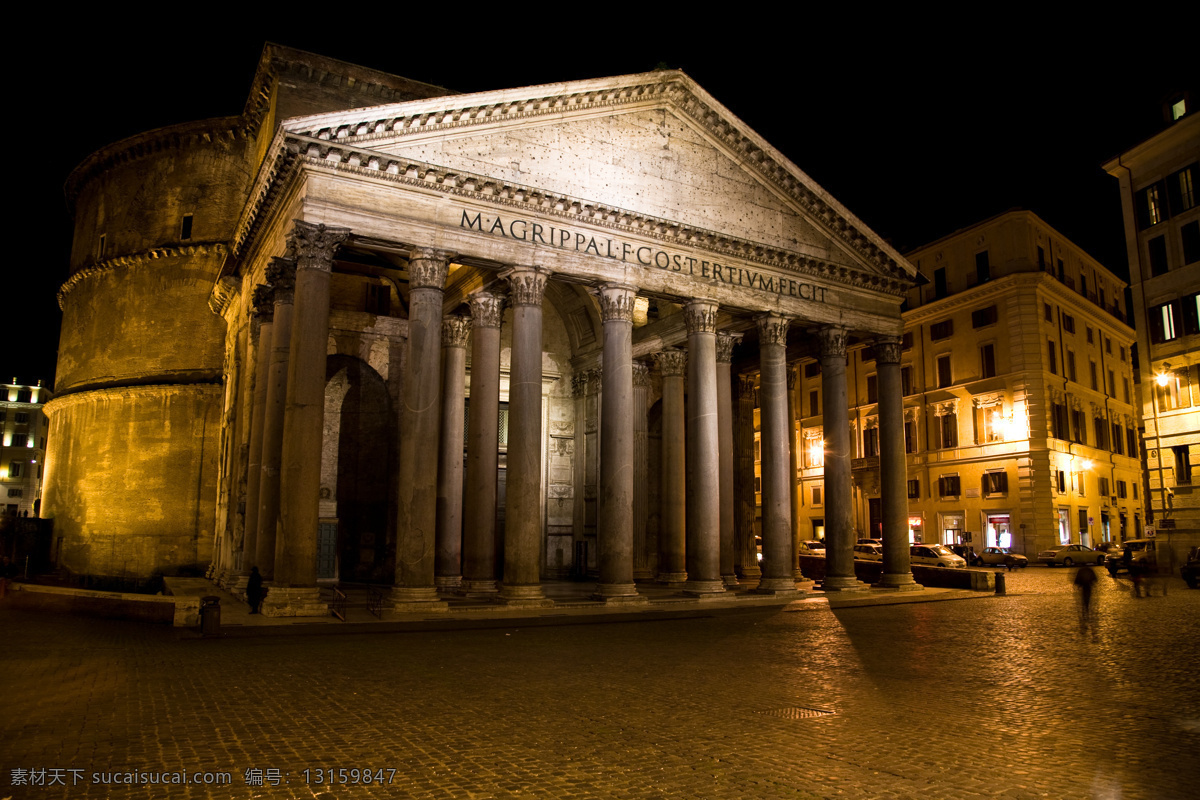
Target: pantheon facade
{"points": [[371, 330]]}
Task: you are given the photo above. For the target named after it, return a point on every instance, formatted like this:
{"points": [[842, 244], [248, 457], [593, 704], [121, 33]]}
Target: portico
{"points": [[566, 299]]}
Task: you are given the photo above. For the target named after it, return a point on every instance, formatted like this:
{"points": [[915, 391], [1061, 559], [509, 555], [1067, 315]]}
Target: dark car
{"points": [[1191, 570], [966, 551], [1141, 557]]}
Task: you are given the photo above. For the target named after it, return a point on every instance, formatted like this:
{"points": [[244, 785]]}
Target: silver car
{"points": [[1001, 556], [868, 552], [1068, 555], [935, 555]]}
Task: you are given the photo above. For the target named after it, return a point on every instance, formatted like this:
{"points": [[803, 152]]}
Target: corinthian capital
{"points": [[263, 302], [487, 309], [700, 316], [616, 302], [427, 268], [281, 274], [314, 244], [455, 330], [772, 329], [527, 285], [641, 374], [725, 343], [888, 350], [833, 343], [672, 363]]}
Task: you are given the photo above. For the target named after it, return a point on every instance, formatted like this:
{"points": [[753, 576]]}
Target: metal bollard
{"points": [[1000, 578], [210, 616]]}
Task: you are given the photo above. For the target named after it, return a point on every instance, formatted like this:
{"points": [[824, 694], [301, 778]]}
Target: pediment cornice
{"points": [[349, 140]]}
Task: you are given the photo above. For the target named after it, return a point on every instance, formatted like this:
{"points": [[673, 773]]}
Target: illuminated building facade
{"points": [[373, 330], [23, 429], [1019, 408], [1160, 197]]}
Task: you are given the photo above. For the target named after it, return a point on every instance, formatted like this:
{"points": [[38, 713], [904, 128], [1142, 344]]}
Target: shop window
{"points": [[948, 486]]}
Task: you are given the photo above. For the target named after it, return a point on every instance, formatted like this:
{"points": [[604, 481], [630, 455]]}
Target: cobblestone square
{"points": [[986, 697]]}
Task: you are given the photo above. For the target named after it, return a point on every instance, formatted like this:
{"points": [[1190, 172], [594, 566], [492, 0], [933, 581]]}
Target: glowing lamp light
{"points": [[816, 452], [1162, 379]]}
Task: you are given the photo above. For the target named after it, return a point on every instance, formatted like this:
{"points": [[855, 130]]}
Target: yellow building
{"points": [[1159, 197], [1019, 404], [23, 429]]}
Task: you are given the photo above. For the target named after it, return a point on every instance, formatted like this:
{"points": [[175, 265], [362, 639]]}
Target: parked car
{"points": [[1068, 555], [1002, 557], [1108, 548], [868, 552], [870, 541], [813, 547], [935, 555], [1191, 570], [964, 551], [1142, 556]]}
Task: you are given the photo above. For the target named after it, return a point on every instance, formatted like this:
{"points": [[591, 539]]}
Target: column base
{"points": [[529, 596], [675, 580], [749, 573], [643, 575], [447, 583], [698, 588], [618, 594], [777, 587], [236, 584], [903, 582], [293, 601], [470, 588], [729, 580], [843, 584], [416, 599]]}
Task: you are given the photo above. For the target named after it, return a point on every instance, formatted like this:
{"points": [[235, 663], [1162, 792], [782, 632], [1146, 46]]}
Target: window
{"points": [[1178, 109], [1078, 426], [1112, 384], [1089, 336], [914, 489], [941, 330], [1175, 393], [1181, 189], [1131, 442], [1156, 249], [1049, 312], [812, 370], [943, 371], [948, 430], [872, 389], [906, 341], [1122, 349], [16, 492], [1183, 465], [983, 317], [1068, 322], [910, 436], [1150, 206], [1058, 422], [1092, 371], [1190, 236], [1071, 365], [185, 228], [1052, 357], [995, 483], [816, 495], [987, 361], [871, 442], [21, 417], [814, 403], [1103, 487], [16, 468], [983, 269], [1041, 253], [948, 486], [1101, 429], [940, 288], [867, 354], [1060, 481], [1118, 439], [1077, 483], [906, 382], [20, 439], [1121, 489], [1108, 345]]}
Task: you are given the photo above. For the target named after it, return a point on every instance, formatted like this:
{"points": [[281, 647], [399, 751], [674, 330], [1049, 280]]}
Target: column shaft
{"points": [[304, 411], [703, 451], [778, 558], [839, 508], [282, 275], [794, 465], [615, 513], [672, 565], [264, 308], [725, 343], [893, 475], [523, 511], [448, 569], [643, 561], [745, 508], [420, 429], [483, 446]]}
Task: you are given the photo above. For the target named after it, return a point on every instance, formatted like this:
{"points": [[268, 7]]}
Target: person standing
{"points": [[254, 590], [1085, 584]]}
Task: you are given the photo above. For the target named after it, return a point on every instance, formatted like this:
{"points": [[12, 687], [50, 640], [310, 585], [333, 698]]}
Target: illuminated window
{"points": [[1154, 209], [1185, 183], [1163, 324], [1178, 109]]}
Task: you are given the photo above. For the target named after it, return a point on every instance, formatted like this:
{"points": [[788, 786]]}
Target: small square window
{"points": [[941, 330], [948, 486]]}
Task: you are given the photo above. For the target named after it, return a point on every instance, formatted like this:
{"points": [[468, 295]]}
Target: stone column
{"points": [[703, 452], [839, 504], [295, 592], [725, 343], [448, 568], [523, 512], [483, 446], [778, 558], [282, 275], [893, 475], [615, 512], [642, 562], [672, 565], [420, 429], [745, 508], [261, 327], [793, 373]]}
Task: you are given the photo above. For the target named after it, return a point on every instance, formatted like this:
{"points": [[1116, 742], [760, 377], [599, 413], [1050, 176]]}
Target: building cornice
{"points": [[152, 390], [220, 249]]}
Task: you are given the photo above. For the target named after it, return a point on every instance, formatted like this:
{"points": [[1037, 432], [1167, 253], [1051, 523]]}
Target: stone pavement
{"points": [[998, 697]]}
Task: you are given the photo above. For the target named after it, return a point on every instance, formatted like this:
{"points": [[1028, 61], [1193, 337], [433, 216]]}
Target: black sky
{"points": [[918, 134]]}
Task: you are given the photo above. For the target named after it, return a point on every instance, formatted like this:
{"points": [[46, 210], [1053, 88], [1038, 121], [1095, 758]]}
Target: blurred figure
{"points": [[1085, 584], [254, 590]]}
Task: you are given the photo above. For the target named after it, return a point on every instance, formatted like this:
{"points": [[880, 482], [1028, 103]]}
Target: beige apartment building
{"points": [[1162, 233], [23, 428], [1020, 421]]}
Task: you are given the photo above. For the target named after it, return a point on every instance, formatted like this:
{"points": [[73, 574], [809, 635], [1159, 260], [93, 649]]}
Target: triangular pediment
{"points": [[653, 146]]}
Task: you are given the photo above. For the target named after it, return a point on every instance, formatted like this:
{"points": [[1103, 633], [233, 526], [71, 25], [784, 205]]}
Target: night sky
{"points": [[917, 134]]}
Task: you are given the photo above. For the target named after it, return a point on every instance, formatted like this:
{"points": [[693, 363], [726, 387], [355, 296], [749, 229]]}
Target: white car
{"points": [[868, 552], [1068, 555], [814, 547], [935, 555]]}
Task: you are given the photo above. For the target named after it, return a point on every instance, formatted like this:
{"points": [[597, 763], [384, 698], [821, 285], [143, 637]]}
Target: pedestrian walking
{"points": [[1085, 584], [254, 590]]}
